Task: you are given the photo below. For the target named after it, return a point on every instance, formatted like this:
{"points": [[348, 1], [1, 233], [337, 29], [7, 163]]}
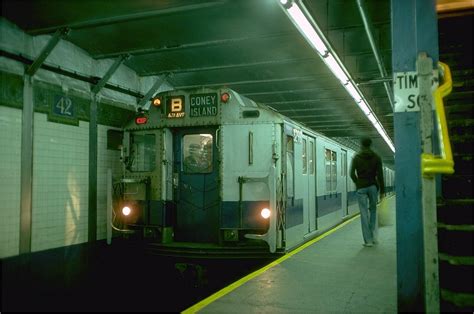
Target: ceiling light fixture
{"points": [[305, 27], [311, 32]]}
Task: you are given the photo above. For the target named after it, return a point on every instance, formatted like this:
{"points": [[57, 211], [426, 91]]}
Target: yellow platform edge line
{"points": [[202, 304]]}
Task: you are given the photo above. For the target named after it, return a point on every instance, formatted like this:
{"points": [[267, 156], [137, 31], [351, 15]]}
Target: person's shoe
{"points": [[368, 244]]}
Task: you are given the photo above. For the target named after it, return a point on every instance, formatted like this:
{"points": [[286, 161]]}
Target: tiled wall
{"points": [[60, 182], [10, 178]]}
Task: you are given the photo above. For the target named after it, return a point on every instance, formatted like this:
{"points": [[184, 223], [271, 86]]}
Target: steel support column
{"points": [[26, 166], [92, 218], [414, 30], [26, 202]]}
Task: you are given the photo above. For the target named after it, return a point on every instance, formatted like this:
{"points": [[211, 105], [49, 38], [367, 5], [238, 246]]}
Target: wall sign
{"points": [[407, 93], [63, 110], [63, 106]]}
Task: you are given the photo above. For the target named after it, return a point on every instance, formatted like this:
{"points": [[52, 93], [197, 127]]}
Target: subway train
{"points": [[210, 172]]}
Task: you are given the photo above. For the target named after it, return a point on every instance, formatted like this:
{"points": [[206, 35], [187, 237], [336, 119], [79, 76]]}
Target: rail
{"points": [[444, 164]]}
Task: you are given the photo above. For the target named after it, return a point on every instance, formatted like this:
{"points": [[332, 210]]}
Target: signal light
{"points": [[141, 120], [225, 97], [156, 102]]}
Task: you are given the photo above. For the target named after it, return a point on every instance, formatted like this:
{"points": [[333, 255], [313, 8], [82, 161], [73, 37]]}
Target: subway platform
{"points": [[332, 273]]}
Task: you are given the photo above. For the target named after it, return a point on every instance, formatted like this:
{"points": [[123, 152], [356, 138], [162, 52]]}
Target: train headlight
{"points": [[265, 213], [126, 211]]}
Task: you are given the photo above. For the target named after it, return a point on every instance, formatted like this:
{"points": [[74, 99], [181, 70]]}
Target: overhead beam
{"points": [[234, 66], [53, 41], [160, 81], [307, 101], [304, 109], [194, 46], [314, 116], [292, 91], [127, 17], [71, 74], [349, 121], [109, 73], [306, 78], [382, 80]]}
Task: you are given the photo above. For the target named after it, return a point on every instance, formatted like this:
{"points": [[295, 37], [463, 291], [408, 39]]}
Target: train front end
{"points": [[170, 192]]}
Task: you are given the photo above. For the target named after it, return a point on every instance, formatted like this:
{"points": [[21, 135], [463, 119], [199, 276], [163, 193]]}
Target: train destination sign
{"points": [[203, 105]]}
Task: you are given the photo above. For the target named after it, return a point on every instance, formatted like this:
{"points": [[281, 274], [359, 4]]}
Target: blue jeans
{"points": [[368, 214]]}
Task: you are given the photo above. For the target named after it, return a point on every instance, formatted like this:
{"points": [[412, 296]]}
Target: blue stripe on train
{"points": [[327, 204], [294, 212], [352, 197], [251, 218]]}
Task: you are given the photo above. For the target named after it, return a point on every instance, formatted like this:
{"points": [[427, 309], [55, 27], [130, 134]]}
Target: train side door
{"points": [[311, 184], [195, 183], [345, 210]]}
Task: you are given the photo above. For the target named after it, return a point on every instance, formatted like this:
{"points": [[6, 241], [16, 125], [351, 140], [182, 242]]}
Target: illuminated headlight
{"points": [[126, 211], [265, 213]]}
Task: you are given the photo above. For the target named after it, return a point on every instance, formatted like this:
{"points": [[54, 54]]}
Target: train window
{"points": [[142, 152], [311, 158], [331, 170], [334, 171], [289, 167], [197, 153], [328, 169], [304, 158]]}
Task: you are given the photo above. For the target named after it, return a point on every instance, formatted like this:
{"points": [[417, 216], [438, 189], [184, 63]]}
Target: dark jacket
{"points": [[366, 170]]}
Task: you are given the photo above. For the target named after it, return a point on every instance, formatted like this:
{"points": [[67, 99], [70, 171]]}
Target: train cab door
{"points": [[195, 185], [311, 184], [345, 209]]}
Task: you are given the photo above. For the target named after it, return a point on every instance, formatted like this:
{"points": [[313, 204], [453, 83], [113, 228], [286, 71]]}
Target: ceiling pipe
{"points": [[383, 72]]}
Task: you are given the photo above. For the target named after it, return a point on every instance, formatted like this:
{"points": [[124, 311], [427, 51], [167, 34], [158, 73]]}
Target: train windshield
{"points": [[197, 153], [142, 152]]}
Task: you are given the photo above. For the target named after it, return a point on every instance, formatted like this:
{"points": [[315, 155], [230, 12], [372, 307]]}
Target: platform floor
{"points": [[336, 273]]}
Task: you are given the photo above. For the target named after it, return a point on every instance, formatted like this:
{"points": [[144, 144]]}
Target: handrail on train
{"points": [[443, 164]]}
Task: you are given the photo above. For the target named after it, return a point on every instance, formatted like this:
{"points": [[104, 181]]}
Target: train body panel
{"points": [[209, 168]]}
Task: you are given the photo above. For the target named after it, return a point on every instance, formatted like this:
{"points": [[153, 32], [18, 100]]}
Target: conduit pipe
{"points": [[383, 72]]}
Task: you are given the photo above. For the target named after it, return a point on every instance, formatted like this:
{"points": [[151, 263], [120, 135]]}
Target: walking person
{"points": [[367, 174]]}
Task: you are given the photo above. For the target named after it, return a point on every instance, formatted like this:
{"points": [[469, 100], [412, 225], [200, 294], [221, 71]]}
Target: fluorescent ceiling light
{"points": [[388, 141], [307, 29], [372, 118], [329, 57], [353, 92], [336, 68], [365, 108], [379, 128]]}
